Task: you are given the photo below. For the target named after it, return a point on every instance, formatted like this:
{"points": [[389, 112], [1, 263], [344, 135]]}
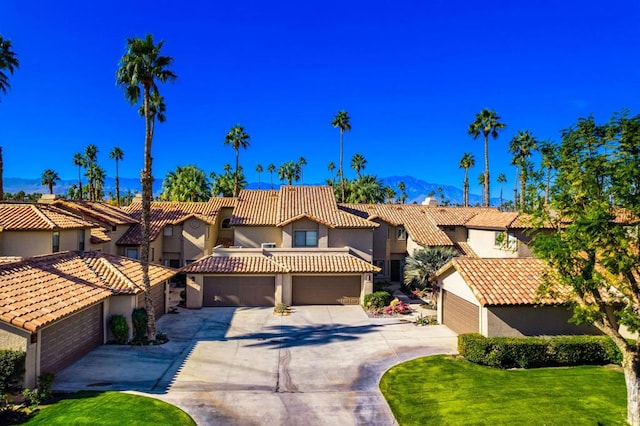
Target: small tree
{"points": [[424, 263]]}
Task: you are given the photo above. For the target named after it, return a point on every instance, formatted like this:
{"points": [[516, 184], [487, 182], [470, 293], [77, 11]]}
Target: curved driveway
{"points": [[246, 366]]}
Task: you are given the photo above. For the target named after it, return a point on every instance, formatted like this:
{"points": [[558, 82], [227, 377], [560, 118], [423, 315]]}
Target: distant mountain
{"points": [[417, 189]]}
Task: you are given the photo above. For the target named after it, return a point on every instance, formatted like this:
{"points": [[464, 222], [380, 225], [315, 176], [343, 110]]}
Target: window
{"points": [[226, 223], [132, 253], [380, 264], [153, 254], [56, 242], [168, 231], [401, 233], [505, 241], [305, 239], [81, 239]]}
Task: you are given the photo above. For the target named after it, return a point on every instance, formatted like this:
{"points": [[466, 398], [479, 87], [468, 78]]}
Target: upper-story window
{"points": [[168, 231], [401, 233], [81, 239], [56, 242], [305, 239], [226, 223], [505, 240], [132, 253]]}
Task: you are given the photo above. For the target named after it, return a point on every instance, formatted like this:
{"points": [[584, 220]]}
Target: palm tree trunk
{"points": [[117, 185], [341, 173], [146, 180], [1, 174], [486, 200], [523, 183], [271, 173], [515, 188], [466, 187], [50, 184], [235, 180], [79, 185]]}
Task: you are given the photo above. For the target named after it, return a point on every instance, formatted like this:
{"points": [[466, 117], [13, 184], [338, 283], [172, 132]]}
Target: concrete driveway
{"points": [[319, 366]]}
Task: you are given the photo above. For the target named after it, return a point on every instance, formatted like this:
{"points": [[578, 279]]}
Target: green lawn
{"points": [[109, 408], [444, 390]]}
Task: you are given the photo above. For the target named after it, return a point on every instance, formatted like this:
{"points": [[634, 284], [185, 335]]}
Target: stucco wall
{"points": [[531, 321], [17, 339], [120, 305], [253, 236], [26, 243], [457, 234], [173, 243], [193, 239], [360, 240], [483, 243]]}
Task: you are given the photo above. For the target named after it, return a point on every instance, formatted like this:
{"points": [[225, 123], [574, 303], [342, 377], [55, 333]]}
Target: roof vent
{"points": [[268, 245]]}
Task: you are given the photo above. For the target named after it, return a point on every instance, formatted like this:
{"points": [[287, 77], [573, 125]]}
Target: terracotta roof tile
{"points": [[34, 217], [325, 263], [37, 291], [492, 220], [506, 281], [256, 208], [250, 264], [99, 236], [455, 216], [465, 249], [99, 211]]}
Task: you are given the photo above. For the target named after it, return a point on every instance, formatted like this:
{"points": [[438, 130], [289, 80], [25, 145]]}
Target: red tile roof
{"points": [[325, 264], [256, 208], [496, 282], [102, 212], [38, 217], [38, 291], [492, 220]]}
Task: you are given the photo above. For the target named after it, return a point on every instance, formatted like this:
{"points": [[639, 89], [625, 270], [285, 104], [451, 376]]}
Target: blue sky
{"points": [[411, 74]]}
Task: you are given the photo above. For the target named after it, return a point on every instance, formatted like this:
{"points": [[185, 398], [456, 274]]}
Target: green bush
{"points": [[45, 383], [119, 329], [140, 319], [377, 300], [532, 352], [11, 369], [380, 286]]}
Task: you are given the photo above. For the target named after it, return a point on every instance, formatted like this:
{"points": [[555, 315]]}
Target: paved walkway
{"points": [[319, 366]]}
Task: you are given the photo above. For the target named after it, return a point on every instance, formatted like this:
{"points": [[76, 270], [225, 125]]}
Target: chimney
{"points": [[430, 201], [48, 198]]}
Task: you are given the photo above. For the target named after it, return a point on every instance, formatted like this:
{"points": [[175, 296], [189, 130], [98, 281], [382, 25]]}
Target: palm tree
{"points": [[403, 195], [237, 138], [290, 172], [466, 162], [521, 147], [49, 178], [331, 167], [140, 67], [367, 189], [99, 175], [502, 178], [486, 123], [481, 183], [341, 121], [90, 156], [301, 163], [389, 193], [117, 154], [259, 170], [419, 267], [187, 183], [271, 168], [80, 161], [549, 153], [358, 163], [8, 62]]}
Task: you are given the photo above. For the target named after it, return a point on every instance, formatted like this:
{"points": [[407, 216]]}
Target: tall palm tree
{"points": [[403, 195], [481, 179], [549, 153], [341, 121], [366, 189], [466, 162], [271, 168], [521, 147], [389, 193], [290, 172], [237, 138], [186, 183], [80, 162], [301, 163], [8, 62], [140, 68], [502, 178], [50, 178], [487, 123], [358, 163], [259, 170], [99, 175], [331, 167], [117, 155], [90, 156]]}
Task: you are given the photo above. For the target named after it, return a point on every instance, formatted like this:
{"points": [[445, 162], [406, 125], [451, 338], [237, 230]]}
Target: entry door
{"points": [[395, 270]]}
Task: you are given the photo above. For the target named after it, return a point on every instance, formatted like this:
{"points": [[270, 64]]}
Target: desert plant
{"points": [[139, 318], [281, 309], [119, 329]]}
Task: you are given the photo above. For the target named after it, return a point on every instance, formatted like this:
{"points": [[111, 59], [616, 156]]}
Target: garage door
{"points": [[330, 290], [69, 339], [157, 294], [239, 291], [459, 315]]}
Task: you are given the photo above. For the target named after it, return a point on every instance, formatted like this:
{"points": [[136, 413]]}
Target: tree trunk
{"points": [[341, 170], [632, 380], [1, 174], [523, 184], [79, 185], [147, 194], [500, 196], [487, 200], [117, 185], [466, 188], [515, 189], [235, 180]]}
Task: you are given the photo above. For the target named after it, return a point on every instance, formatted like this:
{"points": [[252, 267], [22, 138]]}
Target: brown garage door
{"points": [[69, 339], [157, 294], [329, 290], [459, 315], [239, 291]]}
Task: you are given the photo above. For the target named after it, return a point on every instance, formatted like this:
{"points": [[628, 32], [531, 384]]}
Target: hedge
{"points": [[377, 300], [11, 369], [532, 352]]}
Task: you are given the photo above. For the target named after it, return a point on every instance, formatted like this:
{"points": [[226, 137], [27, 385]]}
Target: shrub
{"points": [[377, 300], [11, 369], [397, 307], [45, 383], [531, 352], [281, 308], [139, 318], [183, 295], [119, 329], [380, 286]]}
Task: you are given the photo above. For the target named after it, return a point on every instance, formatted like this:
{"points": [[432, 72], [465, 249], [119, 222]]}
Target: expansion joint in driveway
{"points": [[283, 377]]}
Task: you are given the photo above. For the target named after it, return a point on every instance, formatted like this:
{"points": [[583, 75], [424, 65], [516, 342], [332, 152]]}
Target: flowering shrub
{"points": [[397, 307]]}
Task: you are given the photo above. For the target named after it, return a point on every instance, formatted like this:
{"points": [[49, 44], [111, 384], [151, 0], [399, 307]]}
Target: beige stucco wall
{"points": [[412, 246], [26, 243], [194, 291], [120, 305], [396, 245], [359, 240], [288, 232], [453, 282], [456, 234], [17, 339], [483, 244], [530, 321], [253, 236], [172, 244], [193, 239]]}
